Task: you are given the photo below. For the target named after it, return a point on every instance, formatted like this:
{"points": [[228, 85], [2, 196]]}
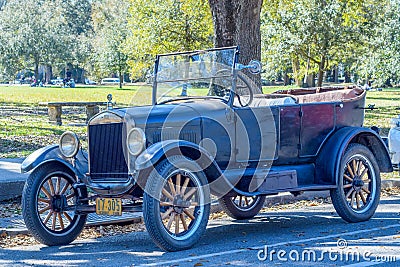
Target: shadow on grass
{"points": [[384, 98], [14, 146], [10, 104], [34, 133]]}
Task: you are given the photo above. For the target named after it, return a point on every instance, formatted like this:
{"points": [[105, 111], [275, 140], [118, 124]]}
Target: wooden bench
{"points": [[54, 109]]}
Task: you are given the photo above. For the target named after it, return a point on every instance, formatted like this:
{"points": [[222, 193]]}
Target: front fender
{"points": [[219, 184], [155, 152], [52, 153], [328, 161]]}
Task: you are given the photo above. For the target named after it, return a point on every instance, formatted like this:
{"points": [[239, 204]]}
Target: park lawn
{"points": [[387, 103], [31, 96], [24, 124]]}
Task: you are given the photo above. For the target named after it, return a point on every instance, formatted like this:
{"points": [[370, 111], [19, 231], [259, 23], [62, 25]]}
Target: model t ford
{"points": [[208, 132]]}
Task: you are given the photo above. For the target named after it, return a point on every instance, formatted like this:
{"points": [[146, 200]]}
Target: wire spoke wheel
{"points": [[176, 203], [358, 185], [179, 203], [358, 192], [245, 203], [48, 204], [242, 207], [54, 199]]}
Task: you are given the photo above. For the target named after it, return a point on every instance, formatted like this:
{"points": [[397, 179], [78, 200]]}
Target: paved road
{"points": [[290, 238], [11, 179]]}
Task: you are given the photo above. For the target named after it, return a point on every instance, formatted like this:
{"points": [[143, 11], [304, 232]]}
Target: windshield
{"points": [[197, 74]]}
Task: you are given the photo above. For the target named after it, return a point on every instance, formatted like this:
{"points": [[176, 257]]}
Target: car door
{"points": [[318, 121], [257, 133], [289, 134]]}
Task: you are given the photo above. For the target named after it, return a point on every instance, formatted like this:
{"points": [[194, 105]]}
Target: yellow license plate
{"points": [[109, 206]]}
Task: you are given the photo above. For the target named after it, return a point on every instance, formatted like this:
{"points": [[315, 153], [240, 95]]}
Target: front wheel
{"points": [[241, 207], [176, 203], [48, 204], [359, 185]]}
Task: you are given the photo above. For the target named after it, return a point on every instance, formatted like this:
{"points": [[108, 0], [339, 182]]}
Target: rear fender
{"points": [[328, 161], [52, 153]]}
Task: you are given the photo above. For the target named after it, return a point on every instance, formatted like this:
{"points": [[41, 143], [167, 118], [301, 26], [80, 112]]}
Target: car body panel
{"points": [[51, 154], [257, 134], [289, 138], [318, 121], [334, 149]]}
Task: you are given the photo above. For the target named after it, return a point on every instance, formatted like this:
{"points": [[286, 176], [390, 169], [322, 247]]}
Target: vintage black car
{"points": [[210, 131]]}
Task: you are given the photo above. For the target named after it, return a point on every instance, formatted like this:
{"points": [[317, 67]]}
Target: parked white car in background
{"points": [[90, 82], [110, 81]]}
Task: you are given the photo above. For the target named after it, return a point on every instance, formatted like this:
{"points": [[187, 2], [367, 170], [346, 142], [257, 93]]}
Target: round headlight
{"points": [[69, 144], [136, 141]]}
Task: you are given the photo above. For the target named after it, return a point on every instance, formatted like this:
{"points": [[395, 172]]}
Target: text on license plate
{"points": [[109, 206]]}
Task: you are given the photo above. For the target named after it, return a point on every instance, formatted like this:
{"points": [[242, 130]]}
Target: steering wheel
{"points": [[221, 86]]}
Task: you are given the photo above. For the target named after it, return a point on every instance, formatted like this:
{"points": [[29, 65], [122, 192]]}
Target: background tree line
{"points": [[305, 41]]}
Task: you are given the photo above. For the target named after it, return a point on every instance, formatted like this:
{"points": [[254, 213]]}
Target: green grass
{"points": [[387, 103], [31, 96], [271, 89], [24, 124]]}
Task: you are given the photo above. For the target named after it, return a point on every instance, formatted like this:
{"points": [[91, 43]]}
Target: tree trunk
{"points": [[320, 77], [310, 80], [347, 78], [286, 79], [121, 78], [336, 74], [237, 22], [80, 75], [49, 73], [321, 69], [36, 69], [296, 71]]}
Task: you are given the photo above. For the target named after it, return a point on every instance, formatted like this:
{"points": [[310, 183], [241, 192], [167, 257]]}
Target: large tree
{"points": [[163, 26], [381, 61], [110, 18], [318, 35], [78, 24], [24, 34], [45, 34], [237, 22]]}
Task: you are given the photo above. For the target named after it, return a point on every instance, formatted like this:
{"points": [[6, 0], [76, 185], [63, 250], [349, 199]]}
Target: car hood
{"points": [[168, 115]]}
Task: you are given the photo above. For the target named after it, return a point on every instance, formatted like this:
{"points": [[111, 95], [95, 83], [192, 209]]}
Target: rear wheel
{"points": [[359, 185], [176, 203], [241, 207], [48, 204]]}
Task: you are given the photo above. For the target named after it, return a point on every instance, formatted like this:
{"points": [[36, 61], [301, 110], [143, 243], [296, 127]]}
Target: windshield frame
{"points": [[233, 74]]}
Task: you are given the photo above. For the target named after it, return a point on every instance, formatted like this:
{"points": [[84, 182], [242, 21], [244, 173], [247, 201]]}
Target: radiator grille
{"points": [[107, 161]]}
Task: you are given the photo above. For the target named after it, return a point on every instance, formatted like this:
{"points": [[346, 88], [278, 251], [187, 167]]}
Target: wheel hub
{"points": [[358, 183], [180, 204], [58, 203]]}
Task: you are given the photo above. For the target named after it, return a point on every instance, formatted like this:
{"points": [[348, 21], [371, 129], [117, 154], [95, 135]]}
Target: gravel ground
{"points": [[13, 208]]}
